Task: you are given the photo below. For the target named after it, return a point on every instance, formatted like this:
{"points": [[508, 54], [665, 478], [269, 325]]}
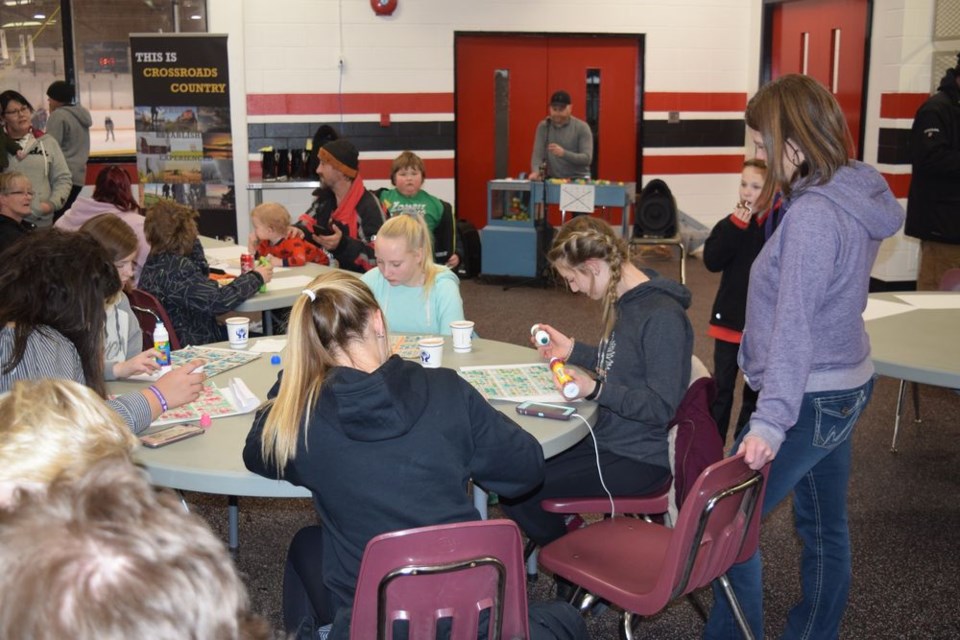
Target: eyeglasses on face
{"points": [[22, 111]]}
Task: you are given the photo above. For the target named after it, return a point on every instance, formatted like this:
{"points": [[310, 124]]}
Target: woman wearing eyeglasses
{"points": [[40, 159], [16, 196]]}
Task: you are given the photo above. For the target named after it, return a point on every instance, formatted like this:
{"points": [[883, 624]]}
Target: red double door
{"points": [[827, 40], [503, 86]]}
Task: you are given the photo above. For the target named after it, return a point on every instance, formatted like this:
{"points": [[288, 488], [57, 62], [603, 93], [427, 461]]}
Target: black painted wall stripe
{"points": [[893, 146], [366, 136], [693, 133]]}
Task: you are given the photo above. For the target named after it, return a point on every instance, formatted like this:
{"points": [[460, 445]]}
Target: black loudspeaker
{"points": [[656, 212]]}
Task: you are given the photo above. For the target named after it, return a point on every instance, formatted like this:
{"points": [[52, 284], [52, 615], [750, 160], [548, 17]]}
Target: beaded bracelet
{"points": [[573, 341], [160, 398]]}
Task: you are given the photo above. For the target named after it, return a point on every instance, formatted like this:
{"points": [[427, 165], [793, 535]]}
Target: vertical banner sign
{"points": [[181, 97]]}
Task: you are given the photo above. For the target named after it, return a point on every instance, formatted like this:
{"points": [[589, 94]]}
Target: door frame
{"points": [[638, 82], [766, 60]]}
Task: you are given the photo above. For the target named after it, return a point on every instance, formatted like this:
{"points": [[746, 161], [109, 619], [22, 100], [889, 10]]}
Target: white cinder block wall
{"points": [[295, 46]]}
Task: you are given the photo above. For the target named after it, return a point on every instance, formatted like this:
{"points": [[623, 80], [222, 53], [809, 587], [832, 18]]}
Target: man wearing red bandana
{"points": [[344, 218]]}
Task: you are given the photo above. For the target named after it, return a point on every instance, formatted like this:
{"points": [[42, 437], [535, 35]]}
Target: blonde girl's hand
{"points": [[560, 345], [143, 362], [275, 261], [585, 383]]}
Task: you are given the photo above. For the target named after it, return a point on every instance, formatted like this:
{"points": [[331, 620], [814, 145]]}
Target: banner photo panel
{"points": [[184, 143]]}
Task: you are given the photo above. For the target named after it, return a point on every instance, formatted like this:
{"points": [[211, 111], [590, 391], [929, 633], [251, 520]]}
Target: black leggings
{"points": [[573, 473], [304, 593]]}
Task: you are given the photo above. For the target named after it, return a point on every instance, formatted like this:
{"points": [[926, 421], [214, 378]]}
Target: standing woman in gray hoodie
{"points": [[69, 124], [40, 159], [804, 345]]}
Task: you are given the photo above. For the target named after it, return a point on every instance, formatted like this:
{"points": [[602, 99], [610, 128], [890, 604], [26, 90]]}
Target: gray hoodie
{"points": [[808, 288], [647, 361], [70, 125]]}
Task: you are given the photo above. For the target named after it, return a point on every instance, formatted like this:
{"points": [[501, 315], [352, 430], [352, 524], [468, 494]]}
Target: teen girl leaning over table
{"points": [[804, 345], [637, 375], [416, 295], [53, 289], [382, 443]]}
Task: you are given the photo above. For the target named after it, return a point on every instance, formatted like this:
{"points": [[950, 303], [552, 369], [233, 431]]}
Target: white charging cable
{"points": [[596, 451]]}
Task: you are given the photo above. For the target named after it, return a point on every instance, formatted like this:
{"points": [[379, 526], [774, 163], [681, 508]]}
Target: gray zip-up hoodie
{"points": [[70, 126], [808, 288]]}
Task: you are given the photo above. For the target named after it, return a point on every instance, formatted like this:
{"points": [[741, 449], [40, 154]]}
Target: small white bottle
{"points": [[161, 342]]}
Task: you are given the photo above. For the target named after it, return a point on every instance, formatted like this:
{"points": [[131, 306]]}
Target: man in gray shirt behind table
{"points": [[563, 147]]}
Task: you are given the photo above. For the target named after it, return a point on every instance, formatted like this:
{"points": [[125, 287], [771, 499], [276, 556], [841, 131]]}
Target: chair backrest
{"points": [[450, 577], [445, 235], [694, 440], [148, 309], [950, 280], [717, 526]]}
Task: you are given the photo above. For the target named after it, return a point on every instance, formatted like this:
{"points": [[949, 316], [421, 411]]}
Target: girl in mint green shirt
{"points": [[416, 295]]}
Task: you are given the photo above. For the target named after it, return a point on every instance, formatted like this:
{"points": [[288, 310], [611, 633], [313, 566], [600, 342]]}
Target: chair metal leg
{"points": [[916, 402], [532, 569], [183, 501], [735, 607], [233, 524], [896, 417], [627, 629]]}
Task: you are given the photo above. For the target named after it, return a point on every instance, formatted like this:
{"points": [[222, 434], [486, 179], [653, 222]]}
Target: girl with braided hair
{"points": [[637, 375]]}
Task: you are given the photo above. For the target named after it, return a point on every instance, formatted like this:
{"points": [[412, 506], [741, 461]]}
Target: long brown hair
{"points": [[798, 109], [58, 280]]}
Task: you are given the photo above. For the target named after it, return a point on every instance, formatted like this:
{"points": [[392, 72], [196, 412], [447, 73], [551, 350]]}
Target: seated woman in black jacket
{"points": [[382, 443]]}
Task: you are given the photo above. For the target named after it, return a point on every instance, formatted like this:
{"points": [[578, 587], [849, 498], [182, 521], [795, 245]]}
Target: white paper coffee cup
{"points": [[462, 333], [238, 332], [431, 352]]}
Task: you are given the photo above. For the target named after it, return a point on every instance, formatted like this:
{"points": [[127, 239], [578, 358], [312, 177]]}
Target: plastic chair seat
{"points": [[642, 566], [649, 505]]}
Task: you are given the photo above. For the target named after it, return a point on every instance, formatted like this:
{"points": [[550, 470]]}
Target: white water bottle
{"points": [[161, 342]]}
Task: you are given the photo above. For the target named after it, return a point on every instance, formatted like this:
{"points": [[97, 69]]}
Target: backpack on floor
{"points": [[468, 248]]}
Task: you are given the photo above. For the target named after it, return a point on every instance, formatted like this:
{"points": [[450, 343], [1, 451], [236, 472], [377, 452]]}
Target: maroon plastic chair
{"points": [[148, 310], [694, 445], [642, 566], [451, 577]]}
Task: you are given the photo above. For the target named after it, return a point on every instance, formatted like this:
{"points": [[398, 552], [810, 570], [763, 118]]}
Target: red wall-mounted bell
{"points": [[383, 7]]}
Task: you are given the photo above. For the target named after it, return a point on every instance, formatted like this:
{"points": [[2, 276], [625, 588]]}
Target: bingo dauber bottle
{"points": [[161, 342], [569, 388]]}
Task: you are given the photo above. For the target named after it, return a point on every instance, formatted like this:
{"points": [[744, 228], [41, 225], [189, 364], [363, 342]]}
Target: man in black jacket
{"points": [[933, 206]]}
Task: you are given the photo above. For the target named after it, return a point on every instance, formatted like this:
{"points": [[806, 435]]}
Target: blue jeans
{"points": [[813, 463]]}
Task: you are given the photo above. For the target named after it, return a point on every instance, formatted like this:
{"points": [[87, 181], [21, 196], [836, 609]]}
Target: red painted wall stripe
{"points": [[673, 101], [260, 104], [901, 105], [680, 165], [899, 183], [266, 104], [379, 169]]}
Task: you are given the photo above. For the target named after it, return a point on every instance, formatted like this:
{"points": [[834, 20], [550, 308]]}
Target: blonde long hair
{"points": [[584, 238], [413, 230], [321, 327]]}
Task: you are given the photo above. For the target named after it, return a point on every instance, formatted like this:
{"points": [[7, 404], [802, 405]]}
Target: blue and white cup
{"points": [[431, 352], [238, 332]]}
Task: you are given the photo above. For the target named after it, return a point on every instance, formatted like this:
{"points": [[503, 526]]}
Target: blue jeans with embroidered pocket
{"points": [[814, 463]]}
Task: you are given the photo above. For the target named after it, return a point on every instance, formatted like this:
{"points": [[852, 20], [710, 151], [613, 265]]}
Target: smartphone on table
{"points": [[546, 410], [173, 433]]}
